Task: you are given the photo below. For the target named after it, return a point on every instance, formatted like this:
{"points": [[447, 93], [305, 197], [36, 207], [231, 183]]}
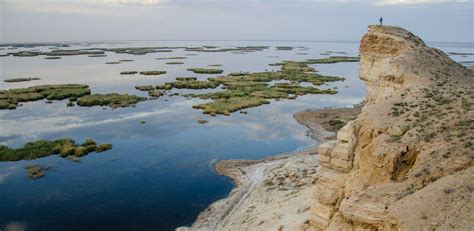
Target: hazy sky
{"points": [[74, 20]]}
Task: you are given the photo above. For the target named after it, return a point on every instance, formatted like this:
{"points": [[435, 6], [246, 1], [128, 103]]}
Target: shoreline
{"points": [[251, 178], [323, 123], [272, 193]]}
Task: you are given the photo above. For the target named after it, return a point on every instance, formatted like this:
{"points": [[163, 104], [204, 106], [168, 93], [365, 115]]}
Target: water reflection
{"points": [[158, 175]]}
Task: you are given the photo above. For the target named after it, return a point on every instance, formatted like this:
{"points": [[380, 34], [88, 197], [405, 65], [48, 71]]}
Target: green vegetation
{"points": [[96, 56], [55, 53], [246, 90], [201, 121], [165, 86], [225, 106], [185, 78], [330, 60], [35, 171], [284, 48], [41, 148], [337, 123], [103, 147], [152, 72], [152, 92], [112, 100], [168, 58], [174, 63], [394, 138], [333, 59], [128, 72], [155, 93], [19, 80], [52, 57], [216, 65], [9, 99], [126, 60], [145, 88], [139, 50], [192, 83], [112, 62], [206, 70], [234, 50], [239, 73]]}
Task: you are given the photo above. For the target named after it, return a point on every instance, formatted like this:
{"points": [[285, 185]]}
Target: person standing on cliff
{"points": [[381, 20]]}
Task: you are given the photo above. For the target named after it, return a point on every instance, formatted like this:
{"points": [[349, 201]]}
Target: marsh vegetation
{"points": [[9, 99], [170, 58], [128, 72], [333, 59], [112, 100], [206, 70], [152, 72], [42, 148], [245, 90], [35, 171], [15, 80]]}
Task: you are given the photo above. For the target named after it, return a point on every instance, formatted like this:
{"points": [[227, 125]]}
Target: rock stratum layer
{"points": [[406, 162]]}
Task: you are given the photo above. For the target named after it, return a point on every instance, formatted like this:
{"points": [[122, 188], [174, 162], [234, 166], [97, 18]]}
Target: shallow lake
{"points": [[159, 175]]}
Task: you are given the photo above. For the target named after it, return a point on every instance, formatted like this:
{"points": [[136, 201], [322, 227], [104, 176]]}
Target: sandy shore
{"points": [[275, 193], [270, 194]]}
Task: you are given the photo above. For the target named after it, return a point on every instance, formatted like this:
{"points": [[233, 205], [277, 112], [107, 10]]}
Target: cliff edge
{"points": [[406, 162]]}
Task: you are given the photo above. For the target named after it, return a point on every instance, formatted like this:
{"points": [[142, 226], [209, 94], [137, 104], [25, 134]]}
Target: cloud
{"points": [[29, 127], [227, 2], [135, 2], [416, 2]]}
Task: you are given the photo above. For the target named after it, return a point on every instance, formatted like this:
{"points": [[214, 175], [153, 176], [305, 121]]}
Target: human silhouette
{"points": [[381, 20]]}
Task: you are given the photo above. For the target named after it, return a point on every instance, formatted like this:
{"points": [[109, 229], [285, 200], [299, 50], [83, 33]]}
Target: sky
{"points": [[98, 20]]}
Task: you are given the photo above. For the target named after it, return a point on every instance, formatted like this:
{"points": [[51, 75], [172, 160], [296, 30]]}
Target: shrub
{"points": [[128, 72], [206, 70], [152, 72], [34, 171], [112, 100], [103, 147], [42, 148]]}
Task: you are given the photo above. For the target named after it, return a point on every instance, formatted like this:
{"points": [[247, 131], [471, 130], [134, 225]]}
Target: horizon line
{"points": [[214, 40]]}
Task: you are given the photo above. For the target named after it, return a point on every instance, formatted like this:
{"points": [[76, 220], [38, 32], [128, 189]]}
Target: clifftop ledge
{"points": [[406, 162]]}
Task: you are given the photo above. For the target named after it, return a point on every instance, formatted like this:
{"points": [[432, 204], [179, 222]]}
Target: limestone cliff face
{"points": [[406, 162]]}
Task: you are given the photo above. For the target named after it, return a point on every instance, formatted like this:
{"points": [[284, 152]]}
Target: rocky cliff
{"points": [[406, 162]]}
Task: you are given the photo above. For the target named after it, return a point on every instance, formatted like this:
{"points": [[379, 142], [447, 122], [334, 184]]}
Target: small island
{"points": [[243, 90], [42, 148], [128, 72], [152, 72], [112, 100], [80, 93], [35, 171], [206, 70], [16, 80]]}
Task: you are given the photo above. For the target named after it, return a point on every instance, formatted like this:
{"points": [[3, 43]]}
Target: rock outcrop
{"points": [[406, 162]]}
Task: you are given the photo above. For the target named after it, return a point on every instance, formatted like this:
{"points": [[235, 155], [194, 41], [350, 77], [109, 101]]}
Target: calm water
{"points": [[159, 175]]}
